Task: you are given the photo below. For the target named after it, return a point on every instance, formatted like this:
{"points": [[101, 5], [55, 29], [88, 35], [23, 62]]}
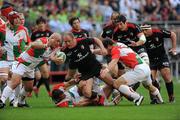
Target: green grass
{"points": [[43, 109]]}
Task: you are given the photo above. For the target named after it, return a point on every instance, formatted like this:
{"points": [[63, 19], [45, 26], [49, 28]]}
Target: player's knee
{"points": [[117, 83], [87, 93]]}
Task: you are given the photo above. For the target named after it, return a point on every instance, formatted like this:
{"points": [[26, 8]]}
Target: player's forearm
{"points": [[173, 39], [38, 45], [142, 39]]}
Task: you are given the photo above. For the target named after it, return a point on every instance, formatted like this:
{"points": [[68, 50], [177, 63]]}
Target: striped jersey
{"points": [[125, 55], [13, 41], [32, 57]]}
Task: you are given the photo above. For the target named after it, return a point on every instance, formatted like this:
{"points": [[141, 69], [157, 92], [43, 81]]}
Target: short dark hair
{"points": [[40, 20], [107, 42], [71, 20], [56, 95], [121, 18]]}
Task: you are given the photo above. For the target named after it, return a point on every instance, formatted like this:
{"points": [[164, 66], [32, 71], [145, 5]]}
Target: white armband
{"points": [[142, 38]]}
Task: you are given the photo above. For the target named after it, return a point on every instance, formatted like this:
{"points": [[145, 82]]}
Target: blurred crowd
{"points": [[93, 13]]}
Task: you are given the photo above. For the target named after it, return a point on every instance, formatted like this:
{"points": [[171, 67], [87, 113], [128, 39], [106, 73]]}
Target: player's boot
{"points": [[2, 105], [139, 101]]}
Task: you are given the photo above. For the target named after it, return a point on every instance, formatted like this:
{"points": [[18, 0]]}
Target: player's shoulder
{"points": [[156, 30], [132, 25]]}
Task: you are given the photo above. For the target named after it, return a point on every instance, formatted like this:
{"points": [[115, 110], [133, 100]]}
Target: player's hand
{"points": [[57, 60], [133, 44], [104, 72], [103, 51], [173, 51]]}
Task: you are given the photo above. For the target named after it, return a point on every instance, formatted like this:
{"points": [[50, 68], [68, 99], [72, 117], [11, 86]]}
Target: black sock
{"points": [[135, 86], [156, 84], [46, 83], [170, 89], [39, 83]]}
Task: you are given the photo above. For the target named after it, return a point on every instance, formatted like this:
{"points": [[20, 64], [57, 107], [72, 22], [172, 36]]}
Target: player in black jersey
{"points": [[42, 72], [157, 54], [131, 35], [77, 31], [108, 28], [42, 30], [82, 59]]}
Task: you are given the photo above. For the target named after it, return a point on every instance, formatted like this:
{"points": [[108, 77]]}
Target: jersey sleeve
{"points": [[137, 29], [115, 53], [166, 33]]}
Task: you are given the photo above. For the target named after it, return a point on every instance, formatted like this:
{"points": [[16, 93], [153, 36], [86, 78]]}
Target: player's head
{"points": [[58, 95], [5, 10], [75, 23], [14, 18], [121, 22], [114, 16], [69, 40], [108, 43], [54, 40], [41, 23], [147, 30], [22, 19]]}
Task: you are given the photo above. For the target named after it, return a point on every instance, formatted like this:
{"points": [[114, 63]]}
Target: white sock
{"points": [[22, 96], [6, 93], [129, 92], [158, 95]]}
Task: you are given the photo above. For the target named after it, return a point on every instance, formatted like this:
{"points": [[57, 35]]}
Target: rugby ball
{"points": [[62, 55]]}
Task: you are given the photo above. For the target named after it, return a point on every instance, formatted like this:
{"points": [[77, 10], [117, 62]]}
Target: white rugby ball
{"points": [[62, 55]]}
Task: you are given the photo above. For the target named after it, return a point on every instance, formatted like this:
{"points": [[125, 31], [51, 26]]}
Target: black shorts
{"points": [[93, 72], [159, 62]]}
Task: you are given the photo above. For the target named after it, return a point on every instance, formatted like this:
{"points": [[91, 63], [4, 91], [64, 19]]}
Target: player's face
{"points": [[21, 15], [55, 42], [76, 24], [122, 25], [17, 21], [69, 41], [113, 18], [147, 32], [42, 26]]}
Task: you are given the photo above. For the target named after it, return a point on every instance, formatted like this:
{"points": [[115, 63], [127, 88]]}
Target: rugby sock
{"points": [[6, 93], [124, 89], [158, 95], [135, 86], [156, 84], [170, 89], [46, 83], [39, 83], [22, 96]]}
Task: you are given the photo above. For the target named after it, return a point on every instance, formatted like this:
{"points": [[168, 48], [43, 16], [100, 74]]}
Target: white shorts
{"points": [[145, 57], [74, 91], [141, 73], [22, 70]]}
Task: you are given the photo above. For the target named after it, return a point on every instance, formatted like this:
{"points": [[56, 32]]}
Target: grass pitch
{"points": [[43, 109]]}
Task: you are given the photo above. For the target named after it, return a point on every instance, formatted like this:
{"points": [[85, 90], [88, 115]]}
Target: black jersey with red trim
{"points": [[108, 30], [80, 57], [38, 34], [128, 35], [80, 34], [155, 43]]}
